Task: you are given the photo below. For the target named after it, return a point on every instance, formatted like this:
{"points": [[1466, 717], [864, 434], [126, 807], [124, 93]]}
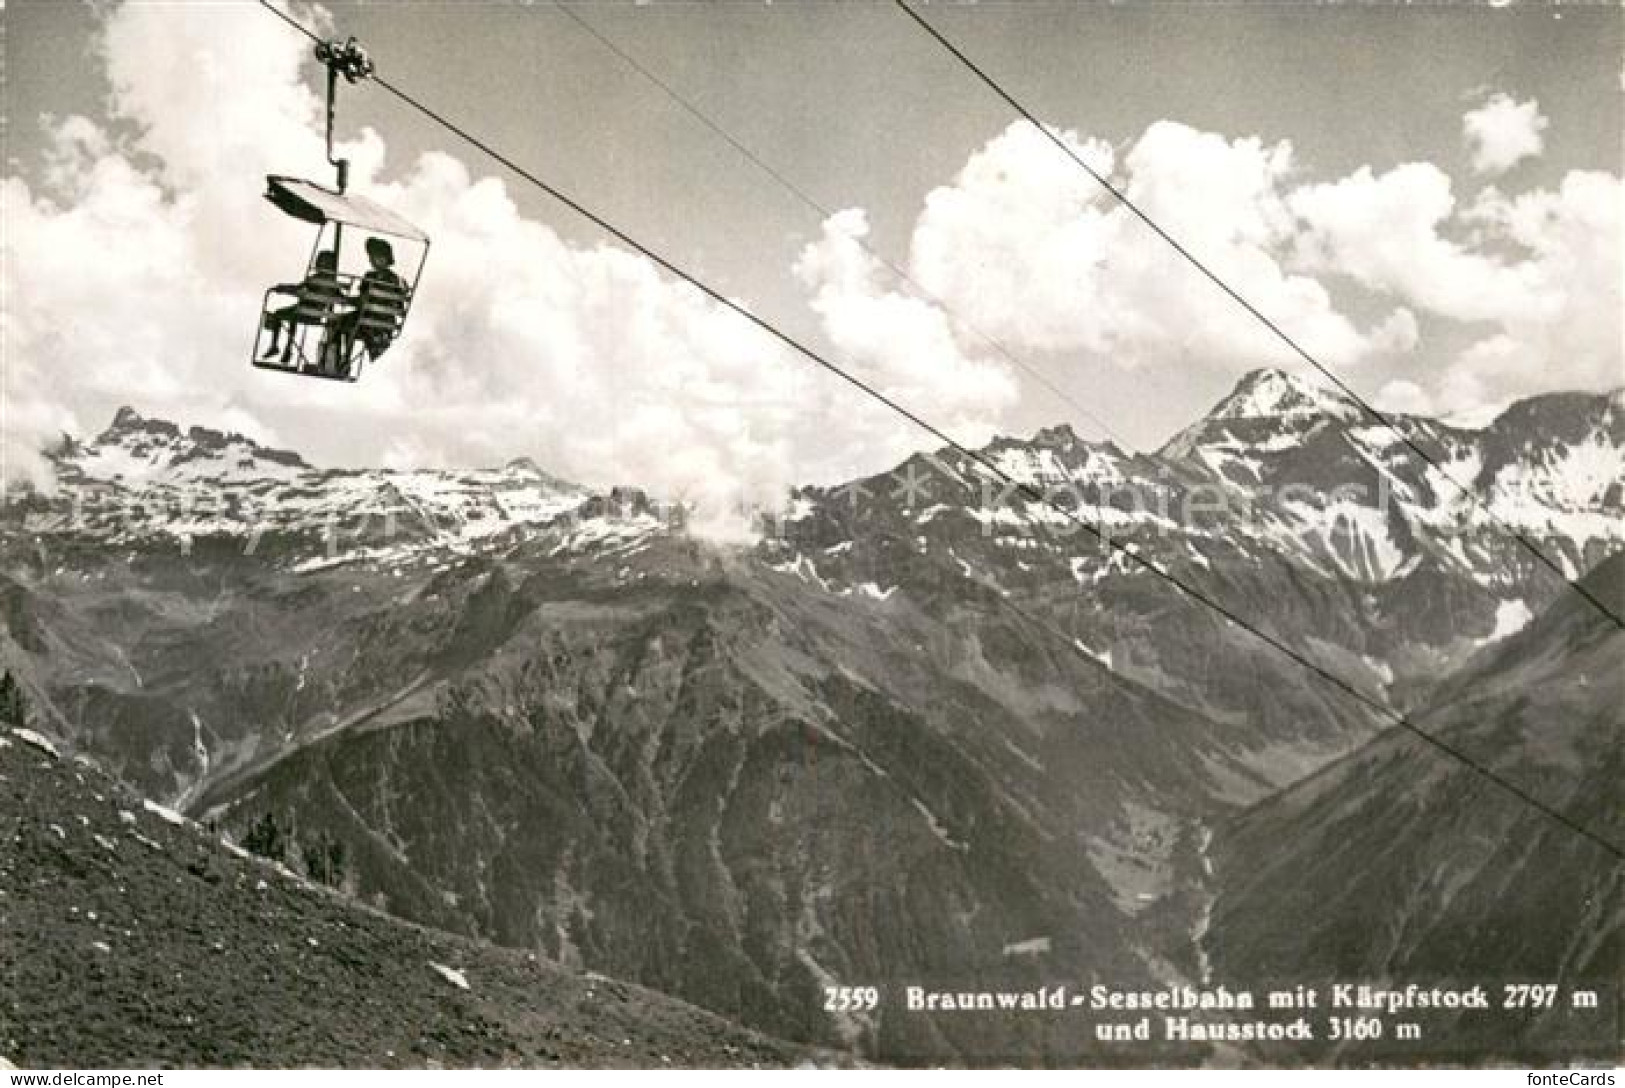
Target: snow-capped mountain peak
{"points": [[1056, 456], [1267, 393], [1268, 411], [135, 450], [148, 480]]}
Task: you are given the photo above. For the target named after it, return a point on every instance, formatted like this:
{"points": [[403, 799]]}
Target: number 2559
{"points": [[850, 998]]}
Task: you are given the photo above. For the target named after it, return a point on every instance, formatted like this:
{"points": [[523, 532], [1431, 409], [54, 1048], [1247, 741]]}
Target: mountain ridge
{"points": [[590, 711], [1488, 888]]}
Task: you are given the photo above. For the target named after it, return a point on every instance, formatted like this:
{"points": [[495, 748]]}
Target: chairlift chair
{"points": [[333, 321]]}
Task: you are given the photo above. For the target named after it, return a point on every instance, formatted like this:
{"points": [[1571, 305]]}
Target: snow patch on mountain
{"points": [[1032, 946], [871, 589], [168, 815], [1510, 618], [1234, 466], [1358, 537], [1102, 656], [1449, 482], [801, 567], [452, 975], [1073, 463], [28, 736], [609, 534], [1577, 476], [135, 450], [144, 481], [1274, 394], [1270, 412]]}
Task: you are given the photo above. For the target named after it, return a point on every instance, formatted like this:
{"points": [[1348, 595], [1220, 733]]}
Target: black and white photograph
{"points": [[812, 535]]}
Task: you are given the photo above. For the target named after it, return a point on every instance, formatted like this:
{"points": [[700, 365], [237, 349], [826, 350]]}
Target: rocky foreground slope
{"points": [[131, 937]]}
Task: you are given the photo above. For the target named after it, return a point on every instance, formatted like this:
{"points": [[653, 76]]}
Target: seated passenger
{"points": [[316, 294], [379, 303]]}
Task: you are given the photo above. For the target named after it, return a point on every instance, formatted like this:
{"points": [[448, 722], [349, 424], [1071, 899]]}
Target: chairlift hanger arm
{"points": [[350, 60]]}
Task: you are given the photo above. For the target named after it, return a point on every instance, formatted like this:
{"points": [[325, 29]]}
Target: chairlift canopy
{"points": [[319, 205]]}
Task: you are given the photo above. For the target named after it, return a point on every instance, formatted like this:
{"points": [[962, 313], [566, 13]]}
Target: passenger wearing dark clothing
{"points": [[379, 303], [317, 294]]}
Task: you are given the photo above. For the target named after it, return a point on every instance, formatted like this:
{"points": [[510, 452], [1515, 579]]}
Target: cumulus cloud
{"points": [[1503, 132], [1385, 231], [137, 254], [1404, 398], [137, 260], [1027, 248], [1541, 269], [1572, 331], [897, 338]]}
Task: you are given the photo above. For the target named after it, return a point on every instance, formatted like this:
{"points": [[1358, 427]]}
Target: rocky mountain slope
{"points": [[130, 937], [1397, 863], [925, 730]]}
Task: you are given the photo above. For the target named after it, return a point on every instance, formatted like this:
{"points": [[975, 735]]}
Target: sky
{"points": [[1428, 197]]}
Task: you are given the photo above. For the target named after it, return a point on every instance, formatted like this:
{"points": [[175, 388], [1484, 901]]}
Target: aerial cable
{"points": [[1280, 333], [1130, 552]]}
